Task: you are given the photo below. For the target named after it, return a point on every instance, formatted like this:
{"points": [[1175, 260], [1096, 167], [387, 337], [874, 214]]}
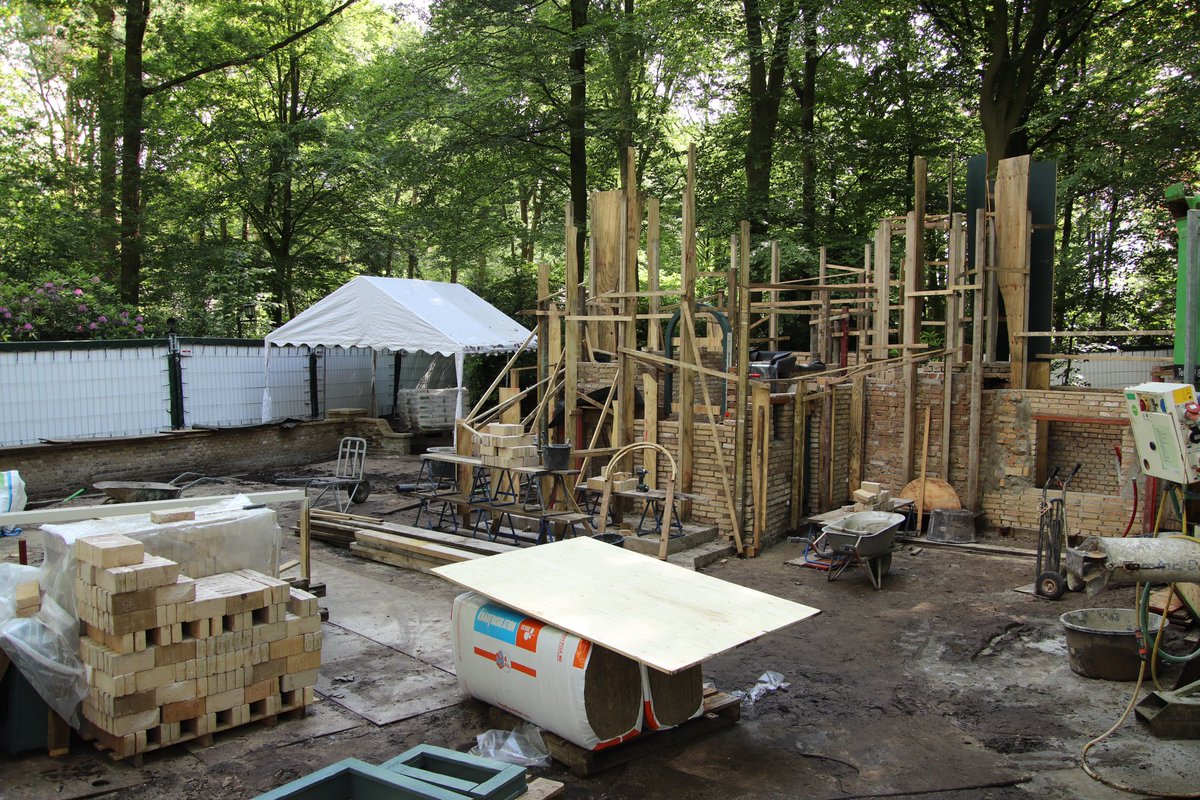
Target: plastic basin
{"points": [[1101, 643]]}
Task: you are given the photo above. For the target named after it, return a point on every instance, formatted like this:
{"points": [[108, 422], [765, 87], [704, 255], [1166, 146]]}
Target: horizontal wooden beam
{"points": [[77, 513], [1085, 420], [1091, 334]]}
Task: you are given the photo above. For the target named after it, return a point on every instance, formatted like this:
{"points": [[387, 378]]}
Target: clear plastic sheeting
{"points": [[768, 683], [224, 537], [522, 746], [43, 647]]}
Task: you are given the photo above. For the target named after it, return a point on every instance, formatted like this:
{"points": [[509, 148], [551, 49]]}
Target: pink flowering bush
{"points": [[59, 309]]}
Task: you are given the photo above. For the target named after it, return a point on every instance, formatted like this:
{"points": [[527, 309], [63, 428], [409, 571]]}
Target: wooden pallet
{"points": [[720, 711], [118, 750]]}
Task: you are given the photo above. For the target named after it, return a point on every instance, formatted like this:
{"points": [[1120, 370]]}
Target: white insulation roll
{"points": [[585, 693]]}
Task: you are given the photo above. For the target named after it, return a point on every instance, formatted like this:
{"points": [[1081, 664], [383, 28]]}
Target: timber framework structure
{"points": [[920, 365]]}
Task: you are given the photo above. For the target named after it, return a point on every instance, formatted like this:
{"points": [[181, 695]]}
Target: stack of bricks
{"points": [[173, 658], [27, 597], [507, 445]]}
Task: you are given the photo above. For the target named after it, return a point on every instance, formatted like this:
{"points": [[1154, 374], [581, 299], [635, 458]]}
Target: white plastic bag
{"points": [[12, 495], [522, 746], [44, 647]]}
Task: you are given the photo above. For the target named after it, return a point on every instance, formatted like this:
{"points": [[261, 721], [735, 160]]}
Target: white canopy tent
{"points": [[400, 315]]}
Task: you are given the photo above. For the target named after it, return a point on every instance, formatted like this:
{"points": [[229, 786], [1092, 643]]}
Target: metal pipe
{"points": [[1108, 561]]}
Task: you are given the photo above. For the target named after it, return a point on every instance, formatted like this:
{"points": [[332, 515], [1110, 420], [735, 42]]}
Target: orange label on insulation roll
{"points": [[581, 654]]}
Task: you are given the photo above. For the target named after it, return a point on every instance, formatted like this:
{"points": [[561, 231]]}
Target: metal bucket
{"points": [[1101, 643], [441, 470], [611, 538], [557, 456]]}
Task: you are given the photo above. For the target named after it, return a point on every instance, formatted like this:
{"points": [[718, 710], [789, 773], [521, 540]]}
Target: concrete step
{"points": [[703, 555], [693, 536]]}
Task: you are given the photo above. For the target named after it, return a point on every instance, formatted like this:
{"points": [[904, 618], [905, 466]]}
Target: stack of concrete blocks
{"points": [[171, 658], [507, 445], [871, 496]]}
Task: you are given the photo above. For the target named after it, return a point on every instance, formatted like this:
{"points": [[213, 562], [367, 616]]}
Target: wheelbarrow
{"points": [[144, 491], [866, 539]]}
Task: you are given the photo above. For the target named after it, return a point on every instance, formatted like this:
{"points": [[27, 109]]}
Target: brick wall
{"points": [[56, 470]]}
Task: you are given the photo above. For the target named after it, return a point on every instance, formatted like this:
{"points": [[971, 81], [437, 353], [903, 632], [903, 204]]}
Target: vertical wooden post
{"points": [[571, 335], [883, 293], [654, 326], [626, 367], [650, 427], [824, 327], [760, 459], [799, 459], [978, 314], [825, 454], [544, 358], [914, 271], [305, 540], [1013, 232], [743, 375], [731, 283], [858, 402], [687, 332], [773, 315], [955, 261]]}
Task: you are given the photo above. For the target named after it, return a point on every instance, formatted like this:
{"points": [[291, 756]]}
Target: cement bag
{"points": [[582, 692], [670, 700]]}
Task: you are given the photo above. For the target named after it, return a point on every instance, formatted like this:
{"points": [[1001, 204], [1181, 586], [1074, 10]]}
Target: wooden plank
{"points": [[1013, 231], [571, 331], [735, 524], [305, 529], [858, 399], [653, 328], [1091, 334], [773, 317], [687, 333], [77, 513], [978, 333], [924, 465], [824, 348], [883, 269], [605, 272], [403, 560], [58, 735], [954, 272], [511, 415], [799, 462], [392, 542], [652, 611], [910, 324], [650, 427], [457, 541], [543, 789], [742, 396]]}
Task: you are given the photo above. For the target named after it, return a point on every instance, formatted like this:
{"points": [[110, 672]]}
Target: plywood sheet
{"points": [[662, 615], [1012, 255]]}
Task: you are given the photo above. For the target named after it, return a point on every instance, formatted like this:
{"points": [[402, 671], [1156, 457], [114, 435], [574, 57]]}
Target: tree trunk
{"points": [[767, 71], [107, 119], [136, 14], [808, 128], [576, 124]]}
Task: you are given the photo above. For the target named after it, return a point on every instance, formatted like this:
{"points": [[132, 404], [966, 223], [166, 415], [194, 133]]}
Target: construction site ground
{"points": [[947, 683]]}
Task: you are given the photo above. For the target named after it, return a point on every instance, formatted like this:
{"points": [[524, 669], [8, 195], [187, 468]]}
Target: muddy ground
{"points": [[945, 684]]}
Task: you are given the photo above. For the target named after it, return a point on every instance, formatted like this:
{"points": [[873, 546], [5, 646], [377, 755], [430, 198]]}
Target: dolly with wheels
{"points": [[1051, 580]]}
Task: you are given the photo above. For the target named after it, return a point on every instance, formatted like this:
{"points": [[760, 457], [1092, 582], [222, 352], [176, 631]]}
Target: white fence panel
{"points": [[83, 393], [1107, 373], [223, 383], [347, 379]]}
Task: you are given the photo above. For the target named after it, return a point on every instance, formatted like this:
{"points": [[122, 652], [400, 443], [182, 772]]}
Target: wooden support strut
{"points": [[743, 375]]}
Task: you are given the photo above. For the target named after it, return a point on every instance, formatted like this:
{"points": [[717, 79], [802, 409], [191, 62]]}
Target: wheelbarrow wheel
{"points": [[882, 564], [1050, 585], [360, 492]]}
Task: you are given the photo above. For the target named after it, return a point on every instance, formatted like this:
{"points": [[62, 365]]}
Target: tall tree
{"points": [[767, 52]]}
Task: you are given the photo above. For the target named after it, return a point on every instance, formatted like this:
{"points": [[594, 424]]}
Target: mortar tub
{"points": [[872, 532], [1101, 643], [557, 456]]}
